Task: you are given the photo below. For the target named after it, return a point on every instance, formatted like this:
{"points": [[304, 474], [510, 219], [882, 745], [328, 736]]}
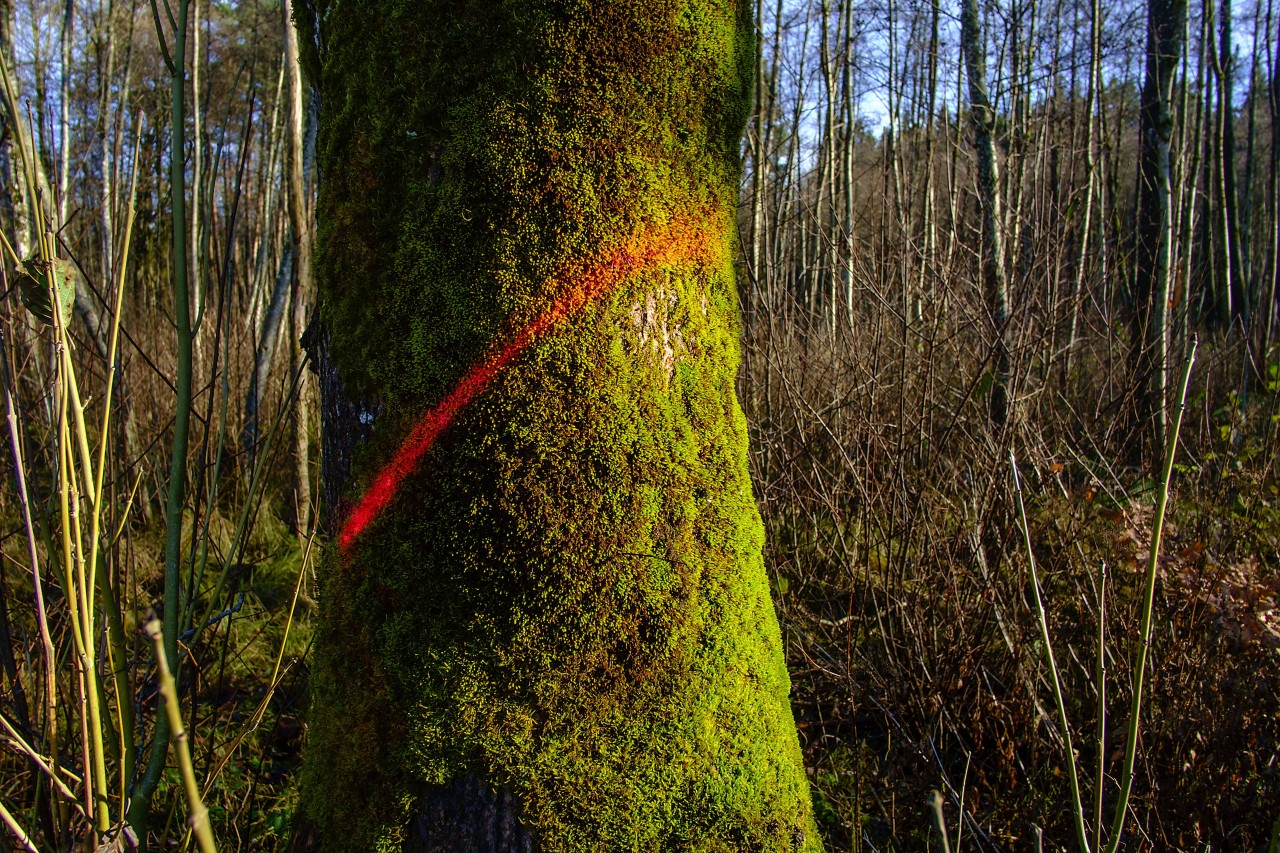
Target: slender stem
{"points": [[24, 840], [67, 518], [42, 619], [199, 820], [19, 743], [1082, 837], [178, 462], [115, 628], [30, 165], [939, 820], [1101, 676], [114, 620], [77, 412], [93, 694], [160, 38], [72, 565], [1148, 606], [117, 660], [79, 594], [86, 750]]}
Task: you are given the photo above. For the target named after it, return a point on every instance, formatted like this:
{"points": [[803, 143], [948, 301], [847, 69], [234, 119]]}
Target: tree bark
{"points": [[1229, 203], [1166, 24], [546, 623], [1082, 261], [300, 219], [995, 285], [1273, 252], [263, 355]]}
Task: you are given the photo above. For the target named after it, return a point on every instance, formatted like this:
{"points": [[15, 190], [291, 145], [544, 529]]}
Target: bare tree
{"points": [[300, 226], [982, 119], [1166, 25]]}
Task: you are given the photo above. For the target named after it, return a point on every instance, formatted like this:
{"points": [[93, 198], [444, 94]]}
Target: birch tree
{"points": [[1166, 25], [982, 118]]}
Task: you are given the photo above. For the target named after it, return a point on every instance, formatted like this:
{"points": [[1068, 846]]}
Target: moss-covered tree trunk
{"points": [[547, 626]]}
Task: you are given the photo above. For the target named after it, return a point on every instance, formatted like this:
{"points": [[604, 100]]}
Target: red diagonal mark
{"points": [[672, 245]]}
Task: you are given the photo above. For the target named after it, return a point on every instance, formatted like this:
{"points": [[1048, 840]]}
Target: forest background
{"points": [[917, 331]]}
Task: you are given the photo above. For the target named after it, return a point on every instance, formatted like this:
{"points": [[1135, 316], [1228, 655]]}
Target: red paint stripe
{"points": [[673, 245]]}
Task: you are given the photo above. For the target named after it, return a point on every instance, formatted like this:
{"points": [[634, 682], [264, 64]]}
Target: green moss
{"points": [[568, 597]]}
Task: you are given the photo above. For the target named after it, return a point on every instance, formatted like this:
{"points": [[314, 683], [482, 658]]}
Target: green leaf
{"points": [[33, 283], [280, 821]]}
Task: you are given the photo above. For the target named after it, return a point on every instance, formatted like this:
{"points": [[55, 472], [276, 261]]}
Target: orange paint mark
{"points": [[675, 244]]}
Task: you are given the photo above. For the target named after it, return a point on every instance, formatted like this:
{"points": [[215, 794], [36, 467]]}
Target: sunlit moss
{"points": [[568, 598]]}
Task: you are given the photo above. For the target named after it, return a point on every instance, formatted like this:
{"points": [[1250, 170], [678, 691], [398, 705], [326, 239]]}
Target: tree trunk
{"points": [[63, 190], [1082, 261], [11, 204], [1273, 260], [1166, 23], [263, 356], [995, 286], [546, 623], [1233, 240], [300, 219]]}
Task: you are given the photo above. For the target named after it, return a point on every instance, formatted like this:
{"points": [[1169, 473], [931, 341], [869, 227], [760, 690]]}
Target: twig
{"points": [[215, 619], [20, 744]]}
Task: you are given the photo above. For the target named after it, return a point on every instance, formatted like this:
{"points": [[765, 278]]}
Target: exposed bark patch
{"points": [[657, 330], [346, 422], [468, 815]]}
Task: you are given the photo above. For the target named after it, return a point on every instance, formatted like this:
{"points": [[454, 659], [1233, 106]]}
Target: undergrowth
{"points": [[915, 652]]}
